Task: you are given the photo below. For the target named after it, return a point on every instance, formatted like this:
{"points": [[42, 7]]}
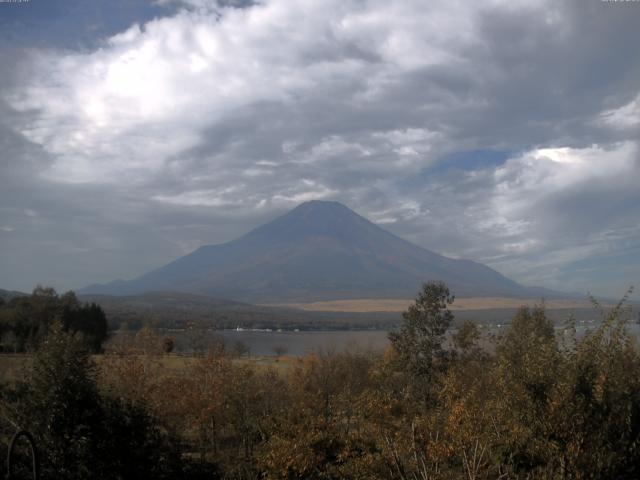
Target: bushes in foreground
{"points": [[537, 404]]}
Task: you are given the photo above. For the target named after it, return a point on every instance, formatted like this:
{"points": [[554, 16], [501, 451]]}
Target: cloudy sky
{"points": [[134, 131]]}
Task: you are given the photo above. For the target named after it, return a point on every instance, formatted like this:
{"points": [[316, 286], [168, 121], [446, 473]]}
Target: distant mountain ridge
{"points": [[318, 251], [7, 295]]}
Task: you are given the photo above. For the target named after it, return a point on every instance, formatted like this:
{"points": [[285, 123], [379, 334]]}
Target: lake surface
{"points": [[262, 342]]}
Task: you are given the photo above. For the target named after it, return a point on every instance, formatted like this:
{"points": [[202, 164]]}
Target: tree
{"points": [[240, 349], [525, 374], [280, 350], [81, 433], [466, 340], [419, 341], [88, 319], [168, 344], [28, 319], [61, 406]]}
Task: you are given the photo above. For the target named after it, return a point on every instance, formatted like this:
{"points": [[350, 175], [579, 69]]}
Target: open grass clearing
{"points": [[364, 305]]}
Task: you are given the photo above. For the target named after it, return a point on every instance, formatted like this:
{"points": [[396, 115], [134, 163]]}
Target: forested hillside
{"points": [[25, 320]]}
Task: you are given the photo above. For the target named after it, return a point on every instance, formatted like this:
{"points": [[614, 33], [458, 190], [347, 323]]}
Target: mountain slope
{"points": [[7, 295], [317, 251]]}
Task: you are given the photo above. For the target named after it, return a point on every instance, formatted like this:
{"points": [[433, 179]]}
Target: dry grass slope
{"points": [[365, 305]]}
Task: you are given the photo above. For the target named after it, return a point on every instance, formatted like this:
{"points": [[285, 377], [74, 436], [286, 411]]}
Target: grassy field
{"points": [[14, 366], [366, 305], [179, 362]]}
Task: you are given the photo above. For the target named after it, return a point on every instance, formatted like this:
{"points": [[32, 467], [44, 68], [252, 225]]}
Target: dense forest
{"points": [[532, 403], [25, 320]]}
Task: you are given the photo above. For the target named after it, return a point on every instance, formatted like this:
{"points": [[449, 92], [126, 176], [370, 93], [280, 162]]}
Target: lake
{"points": [[261, 342]]}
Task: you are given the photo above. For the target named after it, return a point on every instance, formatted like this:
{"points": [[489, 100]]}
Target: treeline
{"points": [[175, 310], [532, 404], [26, 320]]}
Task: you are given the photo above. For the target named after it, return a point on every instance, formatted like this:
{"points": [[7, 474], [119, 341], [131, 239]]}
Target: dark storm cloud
{"points": [[506, 132]]}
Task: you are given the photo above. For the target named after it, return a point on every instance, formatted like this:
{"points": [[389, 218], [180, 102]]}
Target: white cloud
{"points": [[305, 191], [204, 198], [150, 91], [245, 112], [525, 181], [626, 116], [544, 209]]}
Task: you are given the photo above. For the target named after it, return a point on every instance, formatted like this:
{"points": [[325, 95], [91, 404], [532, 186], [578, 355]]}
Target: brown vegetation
{"points": [[539, 405], [364, 305]]}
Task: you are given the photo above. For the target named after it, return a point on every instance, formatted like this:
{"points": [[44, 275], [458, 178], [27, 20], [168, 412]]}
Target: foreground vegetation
{"points": [[537, 405]]}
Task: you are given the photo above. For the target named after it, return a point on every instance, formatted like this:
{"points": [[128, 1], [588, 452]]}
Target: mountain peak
{"points": [[315, 218], [319, 206], [320, 250], [321, 203]]}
